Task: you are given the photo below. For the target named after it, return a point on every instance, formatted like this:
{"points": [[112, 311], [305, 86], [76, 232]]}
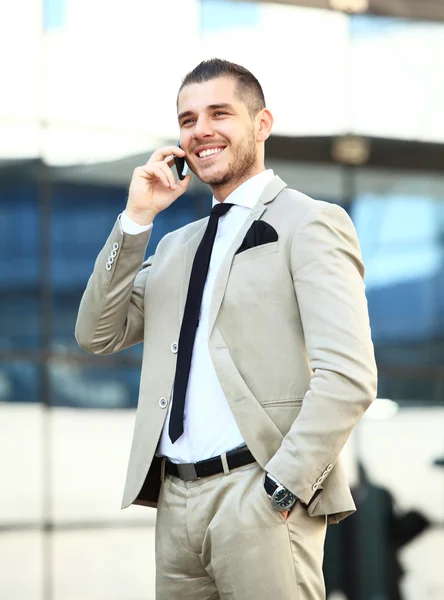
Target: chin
{"points": [[215, 178]]}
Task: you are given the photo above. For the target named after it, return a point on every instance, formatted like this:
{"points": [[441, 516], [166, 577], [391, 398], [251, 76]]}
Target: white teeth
{"points": [[205, 153]]}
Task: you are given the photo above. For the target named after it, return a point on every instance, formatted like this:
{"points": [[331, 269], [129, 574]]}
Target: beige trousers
{"points": [[218, 538]]}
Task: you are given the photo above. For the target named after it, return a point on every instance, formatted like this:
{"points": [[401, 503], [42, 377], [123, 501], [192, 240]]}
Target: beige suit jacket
{"points": [[289, 337]]}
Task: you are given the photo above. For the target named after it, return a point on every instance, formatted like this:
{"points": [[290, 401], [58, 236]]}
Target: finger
{"points": [[184, 183], [169, 174], [169, 161], [163, 153], [155, 171]]}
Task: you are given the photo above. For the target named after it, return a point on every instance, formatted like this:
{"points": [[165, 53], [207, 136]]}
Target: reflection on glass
{"points": [[401, 238], [88, 387], [19, 382]]}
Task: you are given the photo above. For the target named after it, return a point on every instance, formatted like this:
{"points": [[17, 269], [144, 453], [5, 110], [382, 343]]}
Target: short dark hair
{"points": [[248, 87]]}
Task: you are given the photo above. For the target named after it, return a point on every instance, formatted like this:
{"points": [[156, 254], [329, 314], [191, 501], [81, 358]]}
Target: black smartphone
{"points": [[181, 165]]}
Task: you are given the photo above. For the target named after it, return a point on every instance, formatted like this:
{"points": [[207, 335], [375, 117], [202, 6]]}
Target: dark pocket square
{"points": [[259, 233]]}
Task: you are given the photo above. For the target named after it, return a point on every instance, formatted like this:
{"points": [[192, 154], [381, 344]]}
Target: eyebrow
{"points": [[210, 107]]}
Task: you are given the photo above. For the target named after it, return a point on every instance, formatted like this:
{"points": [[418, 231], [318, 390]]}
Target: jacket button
{"points": [[315, 487], [163, 402], [115, 246], [329, 468], [174, 347]]}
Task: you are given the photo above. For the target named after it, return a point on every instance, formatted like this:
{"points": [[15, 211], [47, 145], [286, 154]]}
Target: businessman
{"points": [[257, 359]]}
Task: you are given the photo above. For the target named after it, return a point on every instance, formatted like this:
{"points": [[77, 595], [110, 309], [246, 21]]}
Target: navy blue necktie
{"points": [[190, 320]]}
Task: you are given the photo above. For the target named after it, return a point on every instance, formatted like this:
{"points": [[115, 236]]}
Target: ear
{"points": [[265, 123]]}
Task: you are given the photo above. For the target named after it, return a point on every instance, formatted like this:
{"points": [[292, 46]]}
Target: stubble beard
{"points": [[239, 169]]}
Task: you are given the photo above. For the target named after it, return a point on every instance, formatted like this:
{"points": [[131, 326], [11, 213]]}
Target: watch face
{"points": [[283, 498]]}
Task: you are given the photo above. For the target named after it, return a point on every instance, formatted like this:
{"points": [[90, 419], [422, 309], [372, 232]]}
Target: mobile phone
{"points": [[181, 165]]}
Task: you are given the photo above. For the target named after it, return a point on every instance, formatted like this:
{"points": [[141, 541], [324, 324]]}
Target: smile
{"points": [[205, 154]]}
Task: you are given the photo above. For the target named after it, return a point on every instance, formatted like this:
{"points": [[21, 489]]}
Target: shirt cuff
{"points": [[131, 227]]}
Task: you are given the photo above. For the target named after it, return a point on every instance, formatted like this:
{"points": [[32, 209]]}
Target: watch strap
{"points": [[270, 485]]}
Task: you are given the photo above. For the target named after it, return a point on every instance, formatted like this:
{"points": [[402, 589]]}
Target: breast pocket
{"points": [[256, 252]]}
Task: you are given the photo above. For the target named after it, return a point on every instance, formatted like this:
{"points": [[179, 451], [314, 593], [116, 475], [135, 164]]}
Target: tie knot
{"points": [[221, 208]]}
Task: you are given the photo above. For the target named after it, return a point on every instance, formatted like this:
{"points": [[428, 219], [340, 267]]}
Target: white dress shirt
{"points": [[209, 425]]}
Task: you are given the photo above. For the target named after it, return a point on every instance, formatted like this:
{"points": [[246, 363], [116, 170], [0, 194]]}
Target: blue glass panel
{"points": [[366, 25], [18, 234], [54, 13], [82, 219], [401, 241], [19, 267], [218, 14]]}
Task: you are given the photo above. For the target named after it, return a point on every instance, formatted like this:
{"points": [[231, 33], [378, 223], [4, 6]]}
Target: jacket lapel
{"points": [[275, 186]]}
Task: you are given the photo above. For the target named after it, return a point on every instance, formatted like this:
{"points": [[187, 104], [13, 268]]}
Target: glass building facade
{"points": [[66, 417]]}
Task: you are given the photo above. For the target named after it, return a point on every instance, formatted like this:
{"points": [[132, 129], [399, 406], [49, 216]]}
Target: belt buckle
{"points": [[187, 471]]}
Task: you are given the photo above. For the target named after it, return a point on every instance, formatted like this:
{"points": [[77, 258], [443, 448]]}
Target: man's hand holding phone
{"points": [[153, 187]]}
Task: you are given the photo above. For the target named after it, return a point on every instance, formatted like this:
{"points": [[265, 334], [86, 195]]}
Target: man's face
{"points": [[217, 132]]}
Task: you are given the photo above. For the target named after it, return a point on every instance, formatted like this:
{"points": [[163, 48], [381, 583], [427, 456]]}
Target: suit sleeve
{"points": [[111, 313], [328, 275]]}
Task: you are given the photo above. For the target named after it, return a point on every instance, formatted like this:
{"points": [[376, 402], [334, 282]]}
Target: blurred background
{"points": [[88, 91]]}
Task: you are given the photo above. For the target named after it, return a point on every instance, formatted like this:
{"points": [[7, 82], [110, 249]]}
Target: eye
{"points": [[219, 113], [187, 122]]}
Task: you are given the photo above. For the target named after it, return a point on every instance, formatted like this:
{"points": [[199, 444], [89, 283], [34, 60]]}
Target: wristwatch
{"points": [[281, 498]]}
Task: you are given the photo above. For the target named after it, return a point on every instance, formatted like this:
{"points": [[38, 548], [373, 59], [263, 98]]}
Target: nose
{"points": [[203, 128]]}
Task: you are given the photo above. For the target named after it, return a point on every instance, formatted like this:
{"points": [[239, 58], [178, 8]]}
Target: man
{"points": [[257, 357]]}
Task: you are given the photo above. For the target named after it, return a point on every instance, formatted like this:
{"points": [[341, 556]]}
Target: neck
{"points": [[222, 191]]}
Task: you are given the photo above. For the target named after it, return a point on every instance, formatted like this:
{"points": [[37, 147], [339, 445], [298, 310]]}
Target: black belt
{"points": [[211, 466]]}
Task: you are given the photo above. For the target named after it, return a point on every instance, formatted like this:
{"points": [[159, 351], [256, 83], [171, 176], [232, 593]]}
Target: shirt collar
{"points": [[249, 192]]}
